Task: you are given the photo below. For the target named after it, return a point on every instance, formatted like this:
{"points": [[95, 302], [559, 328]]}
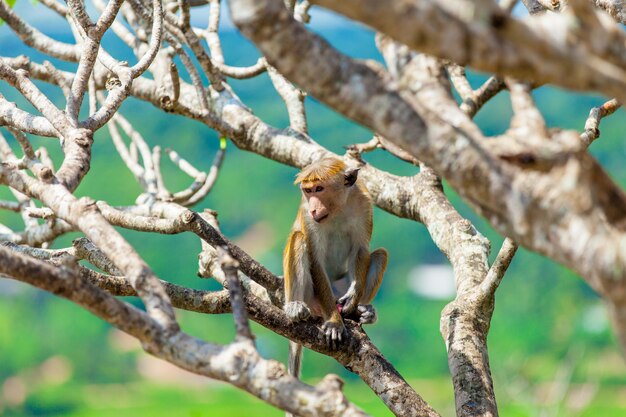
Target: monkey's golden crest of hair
{"points": [[321, 171]]}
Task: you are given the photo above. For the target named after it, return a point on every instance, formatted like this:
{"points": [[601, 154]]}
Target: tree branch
{"points": [[532, 50], [592, 125]]}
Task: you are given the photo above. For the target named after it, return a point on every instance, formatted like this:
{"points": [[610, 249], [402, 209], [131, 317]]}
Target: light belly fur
{"points": [[334, 249]]}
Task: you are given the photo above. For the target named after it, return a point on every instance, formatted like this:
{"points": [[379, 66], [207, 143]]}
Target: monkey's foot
{"points": [[297, 311], [367, 314], [334, 333]]}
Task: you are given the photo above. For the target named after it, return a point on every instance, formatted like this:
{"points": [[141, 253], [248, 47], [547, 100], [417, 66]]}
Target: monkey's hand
{"points": [[334, 332], [348, 302], [367, 314], [297, 311]]}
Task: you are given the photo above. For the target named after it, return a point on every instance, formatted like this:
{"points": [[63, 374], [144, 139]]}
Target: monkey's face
{"points": [[327, 195], [324, 199]]}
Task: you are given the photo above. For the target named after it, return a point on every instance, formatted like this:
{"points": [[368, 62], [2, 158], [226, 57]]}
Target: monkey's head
{"points": [[326, 185]]}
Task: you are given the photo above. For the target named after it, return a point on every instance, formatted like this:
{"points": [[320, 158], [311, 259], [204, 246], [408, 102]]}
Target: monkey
{"points": [[329, 271]]}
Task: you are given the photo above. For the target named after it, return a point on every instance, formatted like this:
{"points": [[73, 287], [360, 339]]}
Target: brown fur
{"points": [[327, 258], [323, 170]]}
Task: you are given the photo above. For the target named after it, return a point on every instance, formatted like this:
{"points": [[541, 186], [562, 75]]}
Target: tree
{"points": [[538, 187]]}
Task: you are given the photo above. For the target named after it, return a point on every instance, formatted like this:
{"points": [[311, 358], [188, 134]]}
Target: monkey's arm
{"points": [[297, 278]]}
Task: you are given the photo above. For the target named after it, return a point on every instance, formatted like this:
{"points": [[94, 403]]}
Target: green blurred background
{"points": [[551, 347]]}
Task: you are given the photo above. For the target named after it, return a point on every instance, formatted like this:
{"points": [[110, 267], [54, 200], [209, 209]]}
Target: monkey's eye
{"points": [[307, 190], [319, 188]]}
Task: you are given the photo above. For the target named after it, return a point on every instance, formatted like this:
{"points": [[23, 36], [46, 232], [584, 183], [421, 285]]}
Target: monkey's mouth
{"points": [[319, 220]]}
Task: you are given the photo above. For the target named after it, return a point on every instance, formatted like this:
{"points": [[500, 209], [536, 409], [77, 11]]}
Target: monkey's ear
{"points": [[350, 176]]}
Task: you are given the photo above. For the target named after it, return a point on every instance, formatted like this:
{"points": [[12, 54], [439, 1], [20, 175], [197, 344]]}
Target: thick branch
{"points": [[526, 50]]}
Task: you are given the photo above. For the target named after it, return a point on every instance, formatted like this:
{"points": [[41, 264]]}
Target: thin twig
{"points": [[293, 98], [162, 191], [211, 35], [592, 125], [483, 94], [10, 205], [491, 282], [210, 179], [240, 316]]}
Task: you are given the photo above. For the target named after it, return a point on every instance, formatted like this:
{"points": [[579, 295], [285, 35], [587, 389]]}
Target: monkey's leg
{"points": [[375, 273], [358, 286]]}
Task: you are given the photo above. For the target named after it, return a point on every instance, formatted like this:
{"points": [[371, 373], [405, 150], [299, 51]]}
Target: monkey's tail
{"points": [[294, 365]]}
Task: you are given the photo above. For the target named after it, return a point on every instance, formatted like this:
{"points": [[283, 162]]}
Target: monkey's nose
{"points": [[317, 217]]}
